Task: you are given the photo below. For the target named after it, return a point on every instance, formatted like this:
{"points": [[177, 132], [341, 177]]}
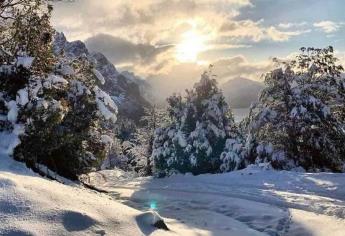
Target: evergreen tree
{"points": [[27, 33], [151, 119], [194, 141], [53, 103], [136, 142], [295, 122]]}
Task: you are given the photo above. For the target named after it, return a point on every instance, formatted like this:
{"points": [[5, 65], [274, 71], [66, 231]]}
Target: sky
{"points": [[175, 40]]}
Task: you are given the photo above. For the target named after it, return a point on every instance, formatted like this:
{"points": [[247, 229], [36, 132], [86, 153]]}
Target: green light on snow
{"points": [[153, 205]]}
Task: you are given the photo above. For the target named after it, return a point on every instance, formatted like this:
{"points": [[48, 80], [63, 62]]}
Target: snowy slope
{"points": [[32, 205], [248, 202]]}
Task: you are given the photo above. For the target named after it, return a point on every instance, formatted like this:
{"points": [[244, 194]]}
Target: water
{"points": [[240, 113]]}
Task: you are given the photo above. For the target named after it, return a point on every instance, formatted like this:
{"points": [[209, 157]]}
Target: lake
{"points": [[240, 113]]}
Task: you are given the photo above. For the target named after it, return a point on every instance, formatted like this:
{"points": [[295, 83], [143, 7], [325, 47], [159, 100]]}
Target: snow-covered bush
{"points": [[201, 123], [295, 122]]}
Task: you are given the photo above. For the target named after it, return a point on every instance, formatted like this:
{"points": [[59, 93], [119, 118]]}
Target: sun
{"points": [[192, 43]]}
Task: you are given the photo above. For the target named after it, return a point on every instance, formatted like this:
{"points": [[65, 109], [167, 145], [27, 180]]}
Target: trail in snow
{"points": [[249, 202]]}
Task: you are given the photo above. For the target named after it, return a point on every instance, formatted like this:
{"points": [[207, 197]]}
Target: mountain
{"points": [[145, 87], [241, 92], [126, 89]]}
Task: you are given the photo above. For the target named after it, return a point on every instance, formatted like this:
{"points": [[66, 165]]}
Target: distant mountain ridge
{"points": [[126, 89], [241, 92]]}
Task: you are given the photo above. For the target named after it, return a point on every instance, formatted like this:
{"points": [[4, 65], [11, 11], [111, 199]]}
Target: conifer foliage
{"points": [[52, 102], [296, 122], [201, 123]]}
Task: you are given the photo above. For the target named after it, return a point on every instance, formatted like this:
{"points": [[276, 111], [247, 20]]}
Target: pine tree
{"points": [[295, 122], [151, 120], [201, 122]]}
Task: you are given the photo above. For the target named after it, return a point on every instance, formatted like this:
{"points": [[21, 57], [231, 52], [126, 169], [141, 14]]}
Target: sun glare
{"points": [[190, 46]]}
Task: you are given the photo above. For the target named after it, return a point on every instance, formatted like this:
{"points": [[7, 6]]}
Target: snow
{"points": [[66, 70], [78, 88], [12, 111], [6, 69], [99, 76], [9, 140], [181, 139], [253, 201], [25, 61], [240, 114], [22, 97], [147, 220], [54, 81], [106, 139], [33, 205], [105, 105]]}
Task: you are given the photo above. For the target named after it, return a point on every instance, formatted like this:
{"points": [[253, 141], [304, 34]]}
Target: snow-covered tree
{"points": [[135, 142], [52, 102], [201, 122], [27, 31], [295, 122], [153, 117], [64, 118]]}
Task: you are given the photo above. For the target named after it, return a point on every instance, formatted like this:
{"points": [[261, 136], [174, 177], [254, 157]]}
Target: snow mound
{"points": [[150, 221], [31, 205]]}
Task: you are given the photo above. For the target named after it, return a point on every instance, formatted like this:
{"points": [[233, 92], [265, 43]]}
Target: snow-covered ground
{"points": [[253, 201], [32, 205]]}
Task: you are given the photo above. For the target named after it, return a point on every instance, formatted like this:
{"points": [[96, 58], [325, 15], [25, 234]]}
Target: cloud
{"points": [[183, 76], [119, 50], [134, 36], [329, 26], [290, 25], [141, 37], [280, 36], [145, 21], [256, 32], [239, 66]]}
